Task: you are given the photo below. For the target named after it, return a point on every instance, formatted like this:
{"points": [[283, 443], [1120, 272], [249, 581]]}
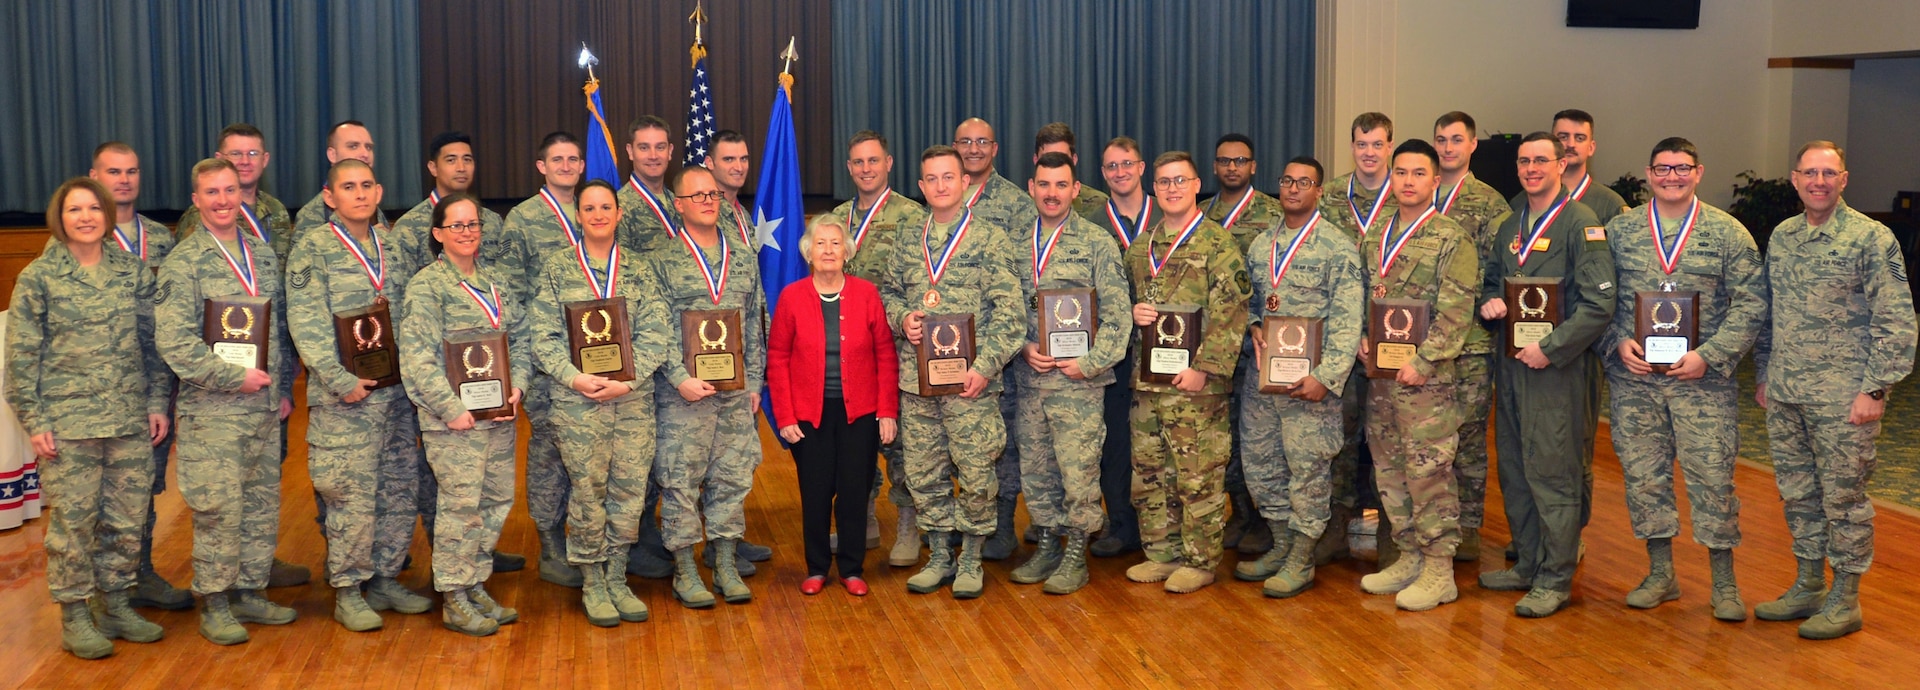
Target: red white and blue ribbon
{"points": [[138, 245], [1377, 203], [1670, 260], [253, 221], [1391, 251], [243, 267], [1128, 232], [1238, 208], [1540, 226], [937, 269], [1446, 205], [1154, 265], [740, 221], [490, 306], [860, 231], [1043, 253], [1580, 190], [376, 268], [653, 204], [1282, 263], [716, 280], [560, 213], [982, 191], [613, 270], [433, 198]]}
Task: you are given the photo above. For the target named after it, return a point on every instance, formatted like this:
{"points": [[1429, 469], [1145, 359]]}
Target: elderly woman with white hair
{"points": [[830, 371]]}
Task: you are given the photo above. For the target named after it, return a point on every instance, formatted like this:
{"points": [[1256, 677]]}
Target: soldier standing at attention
{"points": [[263, 216], [346, 140], [92, 394], [1057, 137], [1842, 333], [1128, 210], [1413, 419], [652, 222], [1689, 413], [1182, 433]]}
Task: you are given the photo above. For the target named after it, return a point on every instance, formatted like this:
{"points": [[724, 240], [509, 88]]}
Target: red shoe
{"points": [[813, 585], [855, 586]]}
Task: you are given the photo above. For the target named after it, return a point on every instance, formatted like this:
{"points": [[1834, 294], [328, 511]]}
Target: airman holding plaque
{"points": [[1308, 304], [1549, 284], [1699, 300]]}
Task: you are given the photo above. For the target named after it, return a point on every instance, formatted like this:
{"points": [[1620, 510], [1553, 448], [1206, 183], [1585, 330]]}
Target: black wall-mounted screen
{"points": [[1634, 14]]}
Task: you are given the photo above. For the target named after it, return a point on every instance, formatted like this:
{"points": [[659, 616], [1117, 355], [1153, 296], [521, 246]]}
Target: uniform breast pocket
{"points": [[1072, 271], [1831, 278], [1701, 272]]}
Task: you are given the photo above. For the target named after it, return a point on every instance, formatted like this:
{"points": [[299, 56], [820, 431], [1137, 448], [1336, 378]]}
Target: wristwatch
{"points": [[1878, 395]]}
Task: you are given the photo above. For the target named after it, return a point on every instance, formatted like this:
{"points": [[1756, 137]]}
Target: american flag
{"points": [[699, 115]]}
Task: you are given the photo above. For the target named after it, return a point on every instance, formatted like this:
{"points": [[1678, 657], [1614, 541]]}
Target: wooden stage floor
{"points": [[1111, 634]]}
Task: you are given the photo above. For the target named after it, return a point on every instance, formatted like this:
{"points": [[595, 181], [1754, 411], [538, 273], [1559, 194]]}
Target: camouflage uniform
{"points": [[228, 441], [533, 233], [1851, 327], [1288, 445], [641, 230], [1414, 431], [1542, 410], [1605, 203], [1090, 203], [1181, 440], [608, 446], [949, 437], [1261, 215], [1116, 456], [1000, 207], [159, 243], [364, 457], [1349, 477], [473, 468], [75, 370], [316, 214], [714, 444], [868, 261], [1059, 435], [1657, 419], [272, 214], [1477, 208]]}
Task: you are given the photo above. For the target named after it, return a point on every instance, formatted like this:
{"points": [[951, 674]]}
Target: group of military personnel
{"points": [[1180, 438]]}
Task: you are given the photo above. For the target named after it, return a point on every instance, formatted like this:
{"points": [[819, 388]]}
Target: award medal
{"points": [[1580, 190], [566, 224], [653, 204], [1280, 263], [740, 221], [860, 230], [613, 270], [253, 222], [1390, 251], [242, 268], [1525, 248], [1367, 220], [938, 269], [1238, 209], [1128, 232], [1043, 253], [490, 306], [1670, 260], [1447, 204], [376, 268], [138, 245], [716, 282], [1154, 266]]}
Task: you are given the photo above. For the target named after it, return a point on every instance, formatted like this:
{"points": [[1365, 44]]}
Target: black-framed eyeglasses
{"points": [[1298, 182], [1233, 162], [1681, 170], [702, 197], [1171, 182], [463, 228]]}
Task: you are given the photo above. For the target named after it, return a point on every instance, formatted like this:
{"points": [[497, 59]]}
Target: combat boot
{"points": [[1255, 570], [385, 593], [631, 608], [217, 623], [117, 620], [1238, 520], [1042, 563], [1393, 578], [1334, 543], [906, 540], [1805, 598], [1727, 605], [1660, 585], [249, 607], [740, 563], [593, 596], [351, 611], [485, 604], [999, 545], [1509, 580], [749, 552], [78, 634], [284, 574], [458, 614], [504, 562], [1540, 603], [969, 579], [1841, 614], [1433, 588], [939, 570], [726, 575], [687, 587], [553, 559], [1296, 572], [1071, 574], [1259, 536], [1469, 550], [1152, 571], [155, 592], [648, 557], [1188, 580]]}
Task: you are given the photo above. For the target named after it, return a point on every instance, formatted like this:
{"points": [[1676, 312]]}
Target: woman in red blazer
{"points": [[831, 371]]}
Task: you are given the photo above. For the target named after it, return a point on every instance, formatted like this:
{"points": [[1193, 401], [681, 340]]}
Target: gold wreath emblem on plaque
{"points": [[606, 330], [364, 343], [1533, 311], [1068, 321], [719, 343], [1179, 333], [466, 360], [1291, 347], [1666, 326], [1405, 331], [952, 346], [227, 329]]}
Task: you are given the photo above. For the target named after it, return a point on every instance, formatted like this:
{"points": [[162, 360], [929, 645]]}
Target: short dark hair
{"points": [[114, 146], [936, 151], [1319, 172], [1234, 138], [553, 138], [867, 135], [439, 217], [1055, 133], [1675, 145], [445, 139], [1575, 115], [647, 122], [1122, 142], [344, 123], [1419, 147], [1171, 157], [1457, 118], [1559, 147], [1056, 159], [673, 185], [729, 136], [344, 165], [1369, 121], [239, 129], [581, 191]]}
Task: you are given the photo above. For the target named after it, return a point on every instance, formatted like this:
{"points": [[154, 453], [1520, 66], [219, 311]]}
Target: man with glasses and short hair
{"points": [[1842, 333], [1057, 137], [1676, 242], [1128, 210]]}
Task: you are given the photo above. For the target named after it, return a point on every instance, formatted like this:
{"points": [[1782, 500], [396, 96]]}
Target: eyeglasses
{"points": [[462, 228], [255, 154], [1535, 162], [1171, 182], [1118, 166], [1234, 162], [1681, 170], [1298, 183], [976, 142], [1820, 173], [702, 197]]}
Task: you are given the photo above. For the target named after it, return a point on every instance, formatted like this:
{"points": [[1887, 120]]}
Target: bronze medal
{"points": [[1380, 291], [931, 299], [1273, 303]]}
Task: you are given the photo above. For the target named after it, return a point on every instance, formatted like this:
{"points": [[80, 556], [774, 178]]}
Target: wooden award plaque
{"points": [[1667, 324], [599, 339], [710, 347], [1068, 320], [1169, 345], [1535, 306], [365, 340], [1395, 329], [1292, 345], [238, 329], [480, 372], [945, 353]]}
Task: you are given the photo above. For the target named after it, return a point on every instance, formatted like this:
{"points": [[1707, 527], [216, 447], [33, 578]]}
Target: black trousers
{"points": [[1116, 456], [836, 463]]}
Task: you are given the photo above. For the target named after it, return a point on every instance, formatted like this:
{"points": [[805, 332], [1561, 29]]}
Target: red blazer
{"points": [[797, 355]]}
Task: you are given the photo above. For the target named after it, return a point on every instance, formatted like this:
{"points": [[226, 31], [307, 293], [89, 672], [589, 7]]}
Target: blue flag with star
{"points": [[699, 112], [778, 219]]}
